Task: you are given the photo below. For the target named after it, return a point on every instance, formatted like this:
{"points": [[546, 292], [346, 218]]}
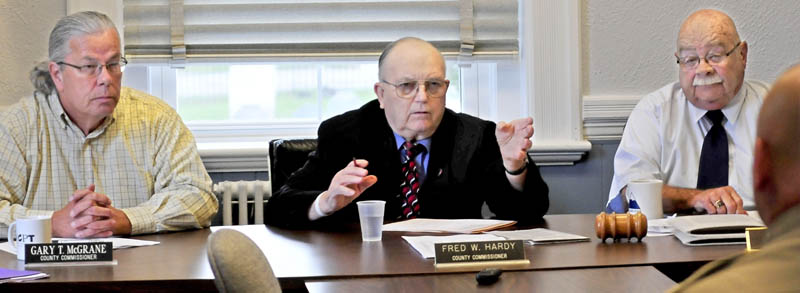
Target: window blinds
{"points": [[181, 29]]}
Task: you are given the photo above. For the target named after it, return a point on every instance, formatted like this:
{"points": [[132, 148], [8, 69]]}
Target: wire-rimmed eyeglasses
{"points": [[95, 69], [435, 88], [713, 59]]}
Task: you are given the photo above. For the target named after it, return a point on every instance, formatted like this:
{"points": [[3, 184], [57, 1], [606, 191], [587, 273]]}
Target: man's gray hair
{"points": [[73, 25]]}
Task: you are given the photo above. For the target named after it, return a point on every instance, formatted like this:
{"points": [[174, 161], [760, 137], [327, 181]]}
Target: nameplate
{"points": [[480, 253], [756, 237], [45, 253]]}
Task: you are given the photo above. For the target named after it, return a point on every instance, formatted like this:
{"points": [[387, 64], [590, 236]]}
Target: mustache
{"points": [[706, 80]]}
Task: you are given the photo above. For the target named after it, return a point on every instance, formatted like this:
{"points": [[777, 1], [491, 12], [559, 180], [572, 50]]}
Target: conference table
{"points": [[177, 264], [612, 280], [335, 257]]}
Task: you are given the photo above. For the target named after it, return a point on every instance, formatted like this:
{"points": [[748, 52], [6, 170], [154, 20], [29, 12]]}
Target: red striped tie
{"points": [[410, 185]]}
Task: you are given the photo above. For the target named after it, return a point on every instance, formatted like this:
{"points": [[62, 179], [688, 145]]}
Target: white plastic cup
{"points": [[647, 193], [370, 213], [27, 230]]}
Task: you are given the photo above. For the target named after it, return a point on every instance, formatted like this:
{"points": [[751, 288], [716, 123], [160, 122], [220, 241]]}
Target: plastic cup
{"points": [[647, 193], [370, 213]]}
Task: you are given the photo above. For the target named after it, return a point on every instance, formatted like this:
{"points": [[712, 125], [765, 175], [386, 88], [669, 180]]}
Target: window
{"points": [[267, 98], [278, 68], [285, 92]]}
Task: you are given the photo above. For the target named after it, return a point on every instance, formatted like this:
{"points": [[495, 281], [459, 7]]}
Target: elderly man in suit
{"points": [[407, 149]]}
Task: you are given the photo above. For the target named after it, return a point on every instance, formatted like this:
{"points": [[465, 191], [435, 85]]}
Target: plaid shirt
{"points": [[142, 157]]}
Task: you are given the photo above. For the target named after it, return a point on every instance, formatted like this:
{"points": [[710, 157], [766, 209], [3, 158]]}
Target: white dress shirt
{"points": [[664, 137]]}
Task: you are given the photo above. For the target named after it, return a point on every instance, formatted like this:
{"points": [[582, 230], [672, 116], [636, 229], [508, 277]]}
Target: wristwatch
{"points": [[520, 170]]}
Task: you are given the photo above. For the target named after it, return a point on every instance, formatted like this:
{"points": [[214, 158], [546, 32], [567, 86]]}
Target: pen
{"points": [[354, 162]]}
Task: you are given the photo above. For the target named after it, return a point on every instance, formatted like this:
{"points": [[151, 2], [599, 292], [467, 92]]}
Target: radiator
{"points": [[256, 192]]}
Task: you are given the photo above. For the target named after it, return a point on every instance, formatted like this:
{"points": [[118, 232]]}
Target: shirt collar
{"points": [[54, 102], [401, 140], [731, 110]]}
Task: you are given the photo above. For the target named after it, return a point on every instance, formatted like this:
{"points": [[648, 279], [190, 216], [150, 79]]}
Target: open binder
{"points": [[713, 229]]}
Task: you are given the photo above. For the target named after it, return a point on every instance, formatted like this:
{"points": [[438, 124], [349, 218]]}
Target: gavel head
{"points": [[618, 226]]}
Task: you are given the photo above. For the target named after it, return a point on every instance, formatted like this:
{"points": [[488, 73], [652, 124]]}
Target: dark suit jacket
{"points": [[465, 170]]}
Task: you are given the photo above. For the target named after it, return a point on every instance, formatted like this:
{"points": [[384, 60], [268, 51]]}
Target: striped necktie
{"points": [[409, 188]]}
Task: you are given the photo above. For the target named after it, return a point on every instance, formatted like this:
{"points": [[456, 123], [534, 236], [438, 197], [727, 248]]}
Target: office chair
{"points": [[287, 156], [238, 264]]}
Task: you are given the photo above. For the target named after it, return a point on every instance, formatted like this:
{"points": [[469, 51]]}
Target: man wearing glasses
{"points": [[696, 135], [99, 159], [407, 149]]}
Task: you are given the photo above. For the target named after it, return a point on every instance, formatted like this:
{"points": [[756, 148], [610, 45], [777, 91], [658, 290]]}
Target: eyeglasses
{"points": [[713, 59], [95, 69], [435, 88]]}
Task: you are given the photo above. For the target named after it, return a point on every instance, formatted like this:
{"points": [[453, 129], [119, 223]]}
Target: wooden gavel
{"points": [[618, 226]]}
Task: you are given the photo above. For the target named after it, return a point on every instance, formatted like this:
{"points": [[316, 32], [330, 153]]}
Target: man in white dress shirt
{"points": [[666, 131]]}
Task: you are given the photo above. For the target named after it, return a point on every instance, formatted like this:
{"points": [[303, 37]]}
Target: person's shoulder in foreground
{"points": [[774, 268], [359, 154], [776, 171]]}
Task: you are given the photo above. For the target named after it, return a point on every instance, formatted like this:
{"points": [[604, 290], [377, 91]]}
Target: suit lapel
{"points": [[377, 144]]}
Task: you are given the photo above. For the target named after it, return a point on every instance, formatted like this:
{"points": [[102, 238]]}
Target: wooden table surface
{"points": [[612, 280], [341, 253], [180, 263]]}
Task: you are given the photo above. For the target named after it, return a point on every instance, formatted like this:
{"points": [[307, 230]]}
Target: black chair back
{"points": [[287, 156]]}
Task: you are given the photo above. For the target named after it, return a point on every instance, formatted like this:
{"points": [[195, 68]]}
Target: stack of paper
{"points": [[9, 275], [451, 226], [713, 229], [660, 227], [540, 236]]}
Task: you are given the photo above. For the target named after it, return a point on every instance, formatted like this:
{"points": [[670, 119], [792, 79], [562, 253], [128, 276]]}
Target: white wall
{"points": [[24, 28], [628, 45]]}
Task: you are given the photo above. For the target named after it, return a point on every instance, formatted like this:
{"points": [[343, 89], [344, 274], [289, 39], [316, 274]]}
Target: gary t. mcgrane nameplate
{"points": [[72, 252]]}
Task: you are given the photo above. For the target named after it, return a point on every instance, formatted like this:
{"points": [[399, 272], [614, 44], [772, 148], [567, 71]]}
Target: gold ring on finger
{"points": [[719, 203]]}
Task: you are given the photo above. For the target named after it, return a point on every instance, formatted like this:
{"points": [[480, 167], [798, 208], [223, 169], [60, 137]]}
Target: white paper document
{"points": [[540, 236], [715, 224], [117, 243], [660, 227], [452, 226], [425, 244]]}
